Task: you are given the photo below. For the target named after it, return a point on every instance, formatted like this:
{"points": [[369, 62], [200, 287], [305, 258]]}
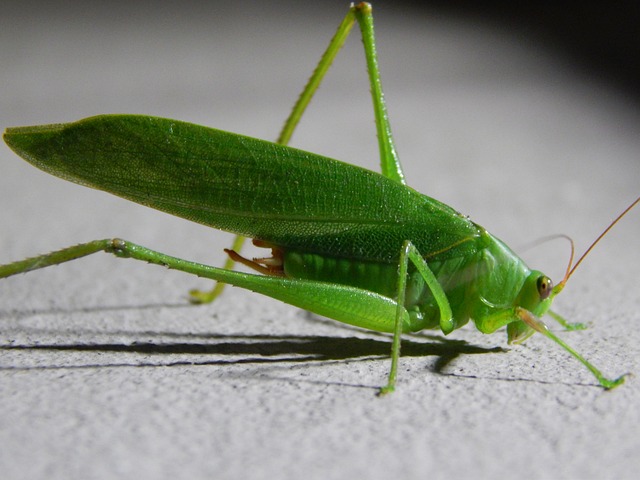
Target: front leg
{"points": [[410, 253]]}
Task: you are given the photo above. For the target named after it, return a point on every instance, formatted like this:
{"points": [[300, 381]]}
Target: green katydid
{"points": [[347, 243]]}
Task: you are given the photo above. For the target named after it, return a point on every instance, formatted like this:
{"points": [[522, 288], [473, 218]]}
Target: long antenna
{"points": [[571, 269]]}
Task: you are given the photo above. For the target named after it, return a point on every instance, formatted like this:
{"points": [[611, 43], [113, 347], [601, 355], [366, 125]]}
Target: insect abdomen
{"points": [[377, 277]]}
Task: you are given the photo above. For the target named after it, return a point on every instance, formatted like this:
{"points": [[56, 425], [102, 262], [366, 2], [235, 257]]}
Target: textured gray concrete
{"points": [[107, 372]]}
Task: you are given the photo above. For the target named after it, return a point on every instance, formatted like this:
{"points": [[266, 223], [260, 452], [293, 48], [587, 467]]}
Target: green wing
{"points": [[255, 188]]}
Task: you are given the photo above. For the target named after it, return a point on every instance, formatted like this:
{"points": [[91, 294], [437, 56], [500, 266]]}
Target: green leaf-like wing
{"points": [[256, 188]]}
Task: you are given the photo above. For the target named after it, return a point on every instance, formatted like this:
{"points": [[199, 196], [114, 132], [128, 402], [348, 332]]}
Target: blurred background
{"points": [[598, 38]]}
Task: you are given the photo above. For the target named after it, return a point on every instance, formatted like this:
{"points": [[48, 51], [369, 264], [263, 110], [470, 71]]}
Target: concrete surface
{"points": [[107, 372]]}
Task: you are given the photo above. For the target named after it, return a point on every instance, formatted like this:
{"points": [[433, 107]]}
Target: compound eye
{"points": [[545, 285]]}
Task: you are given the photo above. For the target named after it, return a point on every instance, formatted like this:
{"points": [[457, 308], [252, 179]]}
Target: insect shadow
{"points": [[257, 349]]}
